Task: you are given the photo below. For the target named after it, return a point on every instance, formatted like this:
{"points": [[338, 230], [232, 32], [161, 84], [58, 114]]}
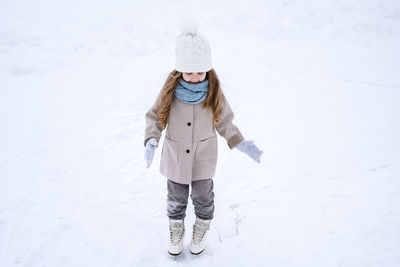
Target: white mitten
{"points": [[151, 145], [248, 147]]}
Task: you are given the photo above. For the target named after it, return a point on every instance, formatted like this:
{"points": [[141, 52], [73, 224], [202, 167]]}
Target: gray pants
{"points": [[202, 196]]}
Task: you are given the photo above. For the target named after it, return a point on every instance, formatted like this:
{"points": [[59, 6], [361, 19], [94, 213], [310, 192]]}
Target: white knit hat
{"points": [[192, 49]]}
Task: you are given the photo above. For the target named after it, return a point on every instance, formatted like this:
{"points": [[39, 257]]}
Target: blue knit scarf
{"points": [[191, 93]]}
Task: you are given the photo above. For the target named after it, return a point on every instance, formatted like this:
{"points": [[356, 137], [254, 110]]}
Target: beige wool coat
{"points": [[190, 147]]}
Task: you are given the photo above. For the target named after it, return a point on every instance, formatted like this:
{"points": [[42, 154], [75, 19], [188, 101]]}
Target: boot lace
{"points": [[199, 230], [176, 231]]}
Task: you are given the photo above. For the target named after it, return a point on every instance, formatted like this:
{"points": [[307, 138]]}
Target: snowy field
{"points": [[315, 84]]}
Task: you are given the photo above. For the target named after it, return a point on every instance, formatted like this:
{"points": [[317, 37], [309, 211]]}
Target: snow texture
{"points": [[315, 84]]}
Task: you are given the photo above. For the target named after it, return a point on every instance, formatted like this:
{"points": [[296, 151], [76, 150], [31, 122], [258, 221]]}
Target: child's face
{"points": [[194, 77]]}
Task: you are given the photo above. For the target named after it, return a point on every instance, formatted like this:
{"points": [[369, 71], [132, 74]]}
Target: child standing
{"points": [[193, 106]]}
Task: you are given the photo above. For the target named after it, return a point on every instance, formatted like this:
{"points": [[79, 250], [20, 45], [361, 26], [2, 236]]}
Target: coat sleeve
{"points": [[152, 127], [225, 127]]}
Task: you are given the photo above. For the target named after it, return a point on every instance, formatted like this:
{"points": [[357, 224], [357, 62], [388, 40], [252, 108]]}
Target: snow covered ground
{"points": [[315, 84]]}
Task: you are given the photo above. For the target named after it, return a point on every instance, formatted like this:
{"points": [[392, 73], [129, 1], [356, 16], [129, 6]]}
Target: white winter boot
{"points": [[176, 235], [199, 239]]}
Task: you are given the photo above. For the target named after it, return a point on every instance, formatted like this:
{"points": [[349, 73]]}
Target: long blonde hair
{"points": [[166, 95]]}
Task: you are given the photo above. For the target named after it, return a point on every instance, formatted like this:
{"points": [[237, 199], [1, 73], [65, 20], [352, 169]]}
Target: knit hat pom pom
{"points": [[189, 25]]}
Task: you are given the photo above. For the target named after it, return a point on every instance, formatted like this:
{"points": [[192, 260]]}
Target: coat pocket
{"points": [[207, 149], [170, 150]]}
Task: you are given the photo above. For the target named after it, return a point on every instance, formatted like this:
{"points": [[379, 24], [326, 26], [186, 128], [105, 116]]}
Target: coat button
{"points": [[187, 150], [189, 123]]}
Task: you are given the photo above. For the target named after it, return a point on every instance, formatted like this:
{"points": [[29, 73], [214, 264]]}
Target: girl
{"points": [[193, 106]]}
